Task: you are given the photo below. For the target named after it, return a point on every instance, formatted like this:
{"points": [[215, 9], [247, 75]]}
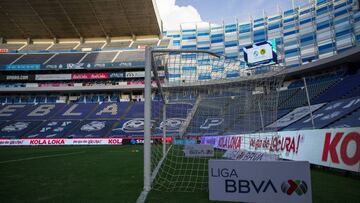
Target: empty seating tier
{"points": [[33, 59], [117, 45], [63, 58], [99, 57], [8, 58]]}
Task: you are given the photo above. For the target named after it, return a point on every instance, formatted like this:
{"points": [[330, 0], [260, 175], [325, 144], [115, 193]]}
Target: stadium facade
{"points": [[305, 34]]}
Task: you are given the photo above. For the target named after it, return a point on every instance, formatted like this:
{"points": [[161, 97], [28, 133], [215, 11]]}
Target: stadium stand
{"points": [[63, 58], [116, 117], [342, 88], [130, 56], [99, 57], [329, 113], [92, 45], [164, 42], [11, 46], [144, 42], [33, 59], [36, 47], [350, 120], [6, 59], [296, 97], [63, 46], [117, 44]]}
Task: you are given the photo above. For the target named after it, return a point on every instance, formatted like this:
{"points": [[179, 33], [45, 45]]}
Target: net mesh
{"points": [[201, 94]]}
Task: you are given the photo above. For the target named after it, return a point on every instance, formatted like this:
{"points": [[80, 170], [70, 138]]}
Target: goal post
{"points": [[191, 94]]}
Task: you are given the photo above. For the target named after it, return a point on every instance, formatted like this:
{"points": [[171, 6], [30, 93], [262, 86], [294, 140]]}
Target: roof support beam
{"points": [[97, 18], [126, 17], [41, 20], [68, 18], [13, 21]]}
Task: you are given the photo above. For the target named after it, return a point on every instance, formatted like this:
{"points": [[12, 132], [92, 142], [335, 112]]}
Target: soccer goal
{"points": [[192, 94]]}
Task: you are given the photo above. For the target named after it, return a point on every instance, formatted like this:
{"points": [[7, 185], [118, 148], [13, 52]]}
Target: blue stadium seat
{"points": [[350, 120], [33, 59], [16, 129], [328, 114], [341, 89], [91, 129], [52, 129], [64, 58]]}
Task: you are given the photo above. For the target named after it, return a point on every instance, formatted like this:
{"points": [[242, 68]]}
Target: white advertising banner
{"points": [[245, 155], [198, 150], [141, 74], [61, 141], [257, 181], [53, 77], [336, 148]]}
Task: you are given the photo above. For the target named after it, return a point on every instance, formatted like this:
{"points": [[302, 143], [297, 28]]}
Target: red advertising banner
{"points": [[4, 50], [89, 76], [135, 82]]}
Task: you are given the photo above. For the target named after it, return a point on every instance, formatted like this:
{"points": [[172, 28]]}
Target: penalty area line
{"points": [[40, 157]]}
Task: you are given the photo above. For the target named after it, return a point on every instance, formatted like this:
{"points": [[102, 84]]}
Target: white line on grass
{"points": [[143, 195], [39, 157]]}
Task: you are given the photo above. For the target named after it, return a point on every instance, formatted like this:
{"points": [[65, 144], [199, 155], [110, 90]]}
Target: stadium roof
{"points": [[77, 18]]}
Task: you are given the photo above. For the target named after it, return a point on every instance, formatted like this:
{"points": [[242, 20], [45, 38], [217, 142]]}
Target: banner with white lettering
{"points": [[61, 141], [198, 150], [53, 77], [245, 155], [256, 181], [336, 148]]}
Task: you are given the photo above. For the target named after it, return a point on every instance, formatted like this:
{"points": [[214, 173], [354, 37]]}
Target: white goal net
{"points": [[199, 94]]}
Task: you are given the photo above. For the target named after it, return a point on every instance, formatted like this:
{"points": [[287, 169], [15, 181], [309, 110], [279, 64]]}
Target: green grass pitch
{"points": [[114, 174]]}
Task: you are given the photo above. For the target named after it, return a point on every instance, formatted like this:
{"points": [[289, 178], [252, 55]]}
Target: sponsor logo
{"points": [[331, 143], [115, 141], [297, 186], [247, 186], [47, 142], [183, 141], [17, 77], [134, 125], [139, 141], [289, 144], [262, 51], [211, 122], [4, 50], [75, 66], [125, 64], [172, 124], [51, 66], [230, 142], [98, 65]]}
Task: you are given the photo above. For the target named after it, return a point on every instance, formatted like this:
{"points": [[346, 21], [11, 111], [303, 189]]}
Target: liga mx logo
{"points": [[297, 186]]}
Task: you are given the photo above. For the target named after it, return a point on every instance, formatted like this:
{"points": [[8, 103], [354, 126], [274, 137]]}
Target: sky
{"points": [[176, 12]]}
